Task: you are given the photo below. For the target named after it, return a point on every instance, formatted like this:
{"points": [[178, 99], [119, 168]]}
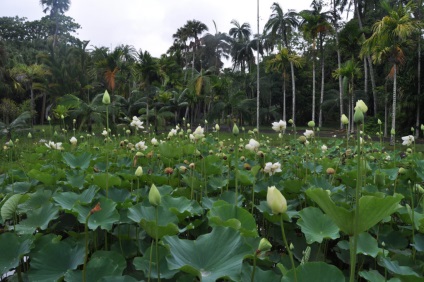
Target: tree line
{"points": [[313, 65]]}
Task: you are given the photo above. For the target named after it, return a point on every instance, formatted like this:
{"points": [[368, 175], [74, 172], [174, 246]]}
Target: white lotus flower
{"points": [[173, 132], [272, 168], [324, 148], [279, 126], [408, 140], [140, 146], [52, 145], [198, 133], [253, 145], [73, 140], [138, 124], [104, 133], [308, 133], [154, 141]]}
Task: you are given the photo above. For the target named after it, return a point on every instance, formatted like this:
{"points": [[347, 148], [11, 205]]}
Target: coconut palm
{"points": [[390, 37], [279, 63], [280, 27], [56, 8], [315, 24], [348, 72], [17, 123], [28, 77]]}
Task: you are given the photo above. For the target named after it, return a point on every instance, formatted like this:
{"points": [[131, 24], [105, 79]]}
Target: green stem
{"points": [[150, 262], [354, 240], [413, 220], [252, 277], [84, 268], [156, 244], [287, 247], [236, 168]]}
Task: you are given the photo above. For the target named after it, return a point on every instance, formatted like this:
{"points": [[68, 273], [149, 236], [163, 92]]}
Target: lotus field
{"points": [[198, 204]]}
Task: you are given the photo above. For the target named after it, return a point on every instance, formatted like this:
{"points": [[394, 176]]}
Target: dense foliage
{"points": [[43, 60]]}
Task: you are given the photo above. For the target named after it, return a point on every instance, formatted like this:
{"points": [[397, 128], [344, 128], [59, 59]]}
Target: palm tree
{"points": [[280, 26], [28, 77], [348, 72], [390, 37], [279, 63], [315, 25], [194, 28], [56, 8]]}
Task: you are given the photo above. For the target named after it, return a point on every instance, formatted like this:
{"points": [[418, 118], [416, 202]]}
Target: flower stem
{"points": [[84, 268], [252, 277], [156, 244], [287, 247], [354, 239]]}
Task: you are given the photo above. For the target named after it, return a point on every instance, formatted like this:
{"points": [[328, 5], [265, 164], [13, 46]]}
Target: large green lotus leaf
{"points": [[419, 242], [146, 217], [75, 178], [372, 210], [38, 219], [217, 182], [18, 187], [10, 206], [394, 267], [218, 254], [35, 200], [82, 161], [47, 178], [51, 262], [367, 245], [228, 215], [105, 218], [182, 207], [102, 265], [169, 151], [117, 278], [315, 271], [210, 165], [420, 169], [260, 275], [317, 226], [142, 263], [245, 178], [13, 248], [67, 200], [106, 180], [375, 276]]}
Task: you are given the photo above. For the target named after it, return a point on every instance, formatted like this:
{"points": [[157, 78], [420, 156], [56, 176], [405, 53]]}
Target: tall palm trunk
{"points": [[293, 93], [313, 87], [417, 122], [339, 63], [284, 96], [321, 100], [392, 137]]}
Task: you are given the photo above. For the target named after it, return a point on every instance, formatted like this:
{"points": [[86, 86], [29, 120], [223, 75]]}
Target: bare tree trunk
{"points": [[313, 89], [392, 137], [43, 109], [322, 89], [284, 97], [293, 93], [417, 122], [365, 77]]}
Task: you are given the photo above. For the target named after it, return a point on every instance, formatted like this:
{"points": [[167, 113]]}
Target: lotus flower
{"points": [[279, 126], [408, 140], [276, 200]]}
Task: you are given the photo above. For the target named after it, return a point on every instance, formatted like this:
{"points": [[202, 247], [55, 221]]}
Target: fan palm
{"points": [[390, 36]]}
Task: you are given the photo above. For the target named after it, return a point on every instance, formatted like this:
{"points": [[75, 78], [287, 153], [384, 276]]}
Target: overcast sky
{"points": [[150, 24]]}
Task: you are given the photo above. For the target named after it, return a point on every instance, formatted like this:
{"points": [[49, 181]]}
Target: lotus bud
{"points": [[217, 127], [311, 123], [422, 127], [139, 171], [379, 122], [49, 118], [302, 139], [291, 121], [182, 169], [106, 98], [330, 171], [412, 129], [29, 135], [276, 200], [235, 130], [62, 116], [344, 119], [358, 117], [402, 171], [392, 131], [264, 245], [154, 196], [362, 106]]}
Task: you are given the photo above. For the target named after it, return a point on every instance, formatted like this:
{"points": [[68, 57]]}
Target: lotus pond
{"points": [[203, 207]]}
